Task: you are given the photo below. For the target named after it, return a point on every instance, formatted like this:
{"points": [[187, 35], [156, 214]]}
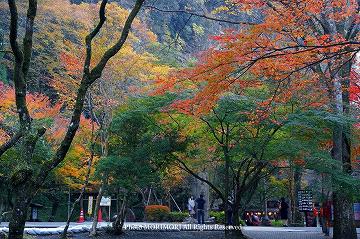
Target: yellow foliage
{"points": [[66, 33], [220, 9]]}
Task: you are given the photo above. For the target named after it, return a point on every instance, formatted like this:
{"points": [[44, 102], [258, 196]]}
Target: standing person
{"points": [[191, 206], [326, 217], [255, 220], [284, 215], [200, 206]]}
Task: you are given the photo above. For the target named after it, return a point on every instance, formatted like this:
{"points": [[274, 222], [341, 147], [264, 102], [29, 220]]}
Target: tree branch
{"points": [[187, 169], [213, 130], [91, 36], [28, 38], [19, 76], [212, 18], [97, 70], [10, 143], [89, 77], [13, 31]]}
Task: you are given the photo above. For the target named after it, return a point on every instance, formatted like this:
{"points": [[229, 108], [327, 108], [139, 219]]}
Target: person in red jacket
{"points": [[325, 213]]}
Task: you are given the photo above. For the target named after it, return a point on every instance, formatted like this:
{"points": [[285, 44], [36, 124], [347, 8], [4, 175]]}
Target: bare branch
{"points": [[209, 17], [188, 170]]}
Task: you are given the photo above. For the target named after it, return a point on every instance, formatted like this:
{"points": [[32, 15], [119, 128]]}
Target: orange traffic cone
{"points": [[81, 218], [100, 215]]}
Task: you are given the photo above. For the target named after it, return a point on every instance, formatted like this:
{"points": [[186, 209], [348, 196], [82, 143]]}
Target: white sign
{"points": [[105, 202], [90, 205]]}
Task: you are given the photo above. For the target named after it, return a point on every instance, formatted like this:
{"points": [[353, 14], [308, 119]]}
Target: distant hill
{"points": [[189, 33]]}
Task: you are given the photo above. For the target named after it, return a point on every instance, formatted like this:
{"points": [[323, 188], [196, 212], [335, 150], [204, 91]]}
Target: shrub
{"points": [[177, 216], [242, 222], [156, 213], [219, 216], [276, 223]]}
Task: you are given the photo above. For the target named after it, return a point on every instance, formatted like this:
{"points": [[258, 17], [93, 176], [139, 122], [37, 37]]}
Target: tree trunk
{"points": [[227, 184], [23, 189], [18, 217], [54, 208], [64, 234], [235, 234], [297, 216], [344, 225], [233, 231], [87, 176], [120, 219], [295, 186], [96, 210], [235, 216]]}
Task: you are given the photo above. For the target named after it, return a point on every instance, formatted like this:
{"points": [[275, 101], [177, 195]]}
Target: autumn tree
{"points": [[26, 179], [292, 41], [245, 142], [243, 149], [43, 112]]}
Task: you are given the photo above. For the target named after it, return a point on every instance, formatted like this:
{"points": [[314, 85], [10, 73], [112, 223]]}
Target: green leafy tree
{"points": [[140, 149]]}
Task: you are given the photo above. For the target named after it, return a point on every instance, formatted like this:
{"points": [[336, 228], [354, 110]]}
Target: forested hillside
{"points": [[172, 22]]}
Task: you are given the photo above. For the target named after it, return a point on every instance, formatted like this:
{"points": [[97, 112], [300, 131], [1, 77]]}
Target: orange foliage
{"points": [[151, 208], [74, 170], [133, 61], [280, 49], [39, 107], [75, 167], [174, 176], [156, 212]]}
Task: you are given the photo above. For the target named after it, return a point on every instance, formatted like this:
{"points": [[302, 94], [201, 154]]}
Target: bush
{"points": [[156, 213], [177, 216], [219, 216], [276, 223], [242, 222]]}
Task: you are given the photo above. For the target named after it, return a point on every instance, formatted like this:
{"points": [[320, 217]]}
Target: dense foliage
{"points": [[133, 100]]}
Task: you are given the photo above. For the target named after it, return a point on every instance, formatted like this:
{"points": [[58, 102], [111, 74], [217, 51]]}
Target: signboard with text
{"points": [[90, 205], [305, 199], [105, 202]]}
